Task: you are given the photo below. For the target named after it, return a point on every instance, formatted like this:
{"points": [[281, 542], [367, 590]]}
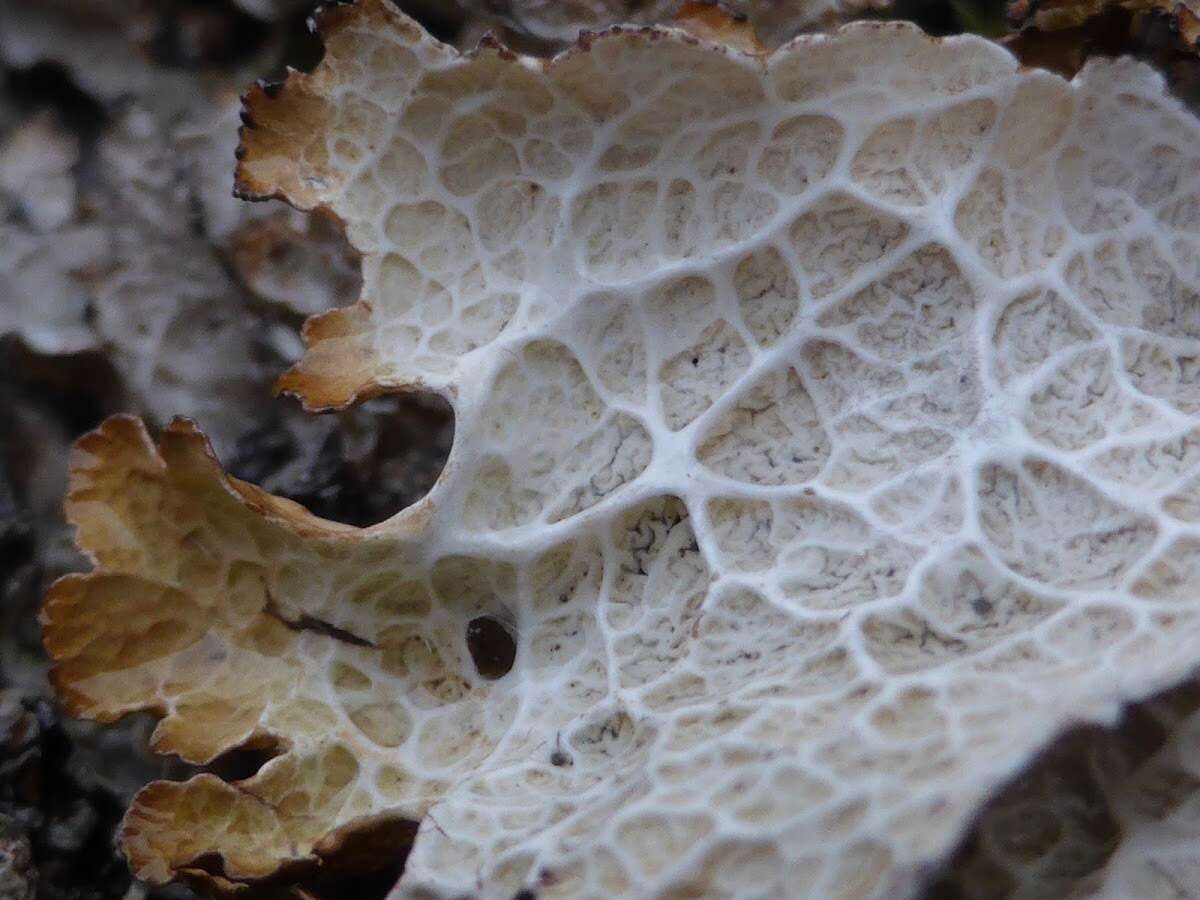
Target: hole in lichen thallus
{"points": [[244, 762], [492, 646], [367, 865], [359, 467]]}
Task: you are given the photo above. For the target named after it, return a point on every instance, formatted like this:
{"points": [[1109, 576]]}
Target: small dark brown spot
{"points": [[559, 758], [492, 647]]}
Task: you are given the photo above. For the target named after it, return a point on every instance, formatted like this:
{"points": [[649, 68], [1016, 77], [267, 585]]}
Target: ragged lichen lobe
{"points": [[211, 602], [820, 441]]}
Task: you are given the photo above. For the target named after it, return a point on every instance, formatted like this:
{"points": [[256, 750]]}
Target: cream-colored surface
{"points": [[825, 436]]}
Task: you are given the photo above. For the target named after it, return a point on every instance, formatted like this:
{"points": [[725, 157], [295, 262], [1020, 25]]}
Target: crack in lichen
{"points": [[307, 622]]}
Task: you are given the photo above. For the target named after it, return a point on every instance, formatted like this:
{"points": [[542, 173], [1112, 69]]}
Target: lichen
{"points": [[824, 431]]}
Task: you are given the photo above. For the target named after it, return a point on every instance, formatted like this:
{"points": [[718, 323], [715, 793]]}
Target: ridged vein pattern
{"points": [[828, 439]]}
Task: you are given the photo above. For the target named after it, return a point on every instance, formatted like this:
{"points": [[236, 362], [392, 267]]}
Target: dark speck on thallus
{"points": [[492, 646]]}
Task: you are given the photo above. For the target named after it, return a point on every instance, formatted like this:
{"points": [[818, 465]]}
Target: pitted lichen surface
{"points": [[827, 440]]}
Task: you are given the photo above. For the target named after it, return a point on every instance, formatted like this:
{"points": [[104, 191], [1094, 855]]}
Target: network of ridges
{"points": [[826, 439]]}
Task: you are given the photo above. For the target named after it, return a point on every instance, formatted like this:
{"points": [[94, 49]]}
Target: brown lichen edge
{"points": [[107, 463], [275, 117]]}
